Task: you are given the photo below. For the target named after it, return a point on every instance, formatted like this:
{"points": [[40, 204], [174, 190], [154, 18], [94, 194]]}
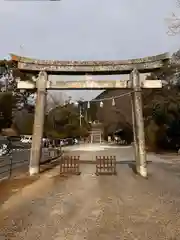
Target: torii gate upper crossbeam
{"points": [[144, 65]]}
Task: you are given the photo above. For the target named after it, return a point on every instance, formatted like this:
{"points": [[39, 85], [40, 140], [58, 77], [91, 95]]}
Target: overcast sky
{"points": [[86, 29]]}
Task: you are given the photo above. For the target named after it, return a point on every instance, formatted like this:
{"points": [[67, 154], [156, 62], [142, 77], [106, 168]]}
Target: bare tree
{"points": [[55, 99], [174, 22]]}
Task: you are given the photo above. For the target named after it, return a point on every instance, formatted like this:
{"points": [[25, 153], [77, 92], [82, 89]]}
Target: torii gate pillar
{"points": [[38, 126], [138, 122], [135, 145]]}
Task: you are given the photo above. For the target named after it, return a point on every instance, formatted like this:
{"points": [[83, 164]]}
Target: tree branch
{"points": [[174, 22]]}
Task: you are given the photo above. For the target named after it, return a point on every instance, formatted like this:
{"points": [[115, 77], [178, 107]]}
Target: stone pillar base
{"points": [[33, 171], [143, 171]]}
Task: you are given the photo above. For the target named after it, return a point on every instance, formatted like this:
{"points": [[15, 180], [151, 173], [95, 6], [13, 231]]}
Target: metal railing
{"points": [[15, 155]]}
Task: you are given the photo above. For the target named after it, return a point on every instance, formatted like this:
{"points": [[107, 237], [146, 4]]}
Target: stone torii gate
{"points": [[133, 67]]}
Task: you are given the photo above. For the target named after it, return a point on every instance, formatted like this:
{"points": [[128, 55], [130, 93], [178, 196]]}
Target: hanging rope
{"points": [[111, 98], [101, 100]]}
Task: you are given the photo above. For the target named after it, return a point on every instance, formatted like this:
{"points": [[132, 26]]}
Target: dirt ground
{"points": [[125, 206]]}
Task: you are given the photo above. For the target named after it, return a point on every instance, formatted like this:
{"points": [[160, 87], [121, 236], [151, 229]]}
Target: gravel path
{"points": [[106, 207]]}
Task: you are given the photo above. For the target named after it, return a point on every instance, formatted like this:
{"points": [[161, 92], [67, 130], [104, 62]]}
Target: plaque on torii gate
{"points": [[133, 67]]}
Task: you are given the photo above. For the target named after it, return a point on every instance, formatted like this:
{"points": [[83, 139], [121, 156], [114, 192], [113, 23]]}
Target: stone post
{"points": [[136, 151], [38, 124], [139, 122]]}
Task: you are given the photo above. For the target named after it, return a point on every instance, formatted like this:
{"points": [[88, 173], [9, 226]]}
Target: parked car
{"points": [[26, 139]]}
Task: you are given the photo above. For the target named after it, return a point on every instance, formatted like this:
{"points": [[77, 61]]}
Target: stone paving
{"points": [[105, 207]]}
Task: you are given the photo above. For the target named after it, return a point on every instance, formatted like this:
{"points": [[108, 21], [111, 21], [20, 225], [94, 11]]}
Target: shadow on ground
{"points": [[125, 162], [10, 187], [49, 165]]}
